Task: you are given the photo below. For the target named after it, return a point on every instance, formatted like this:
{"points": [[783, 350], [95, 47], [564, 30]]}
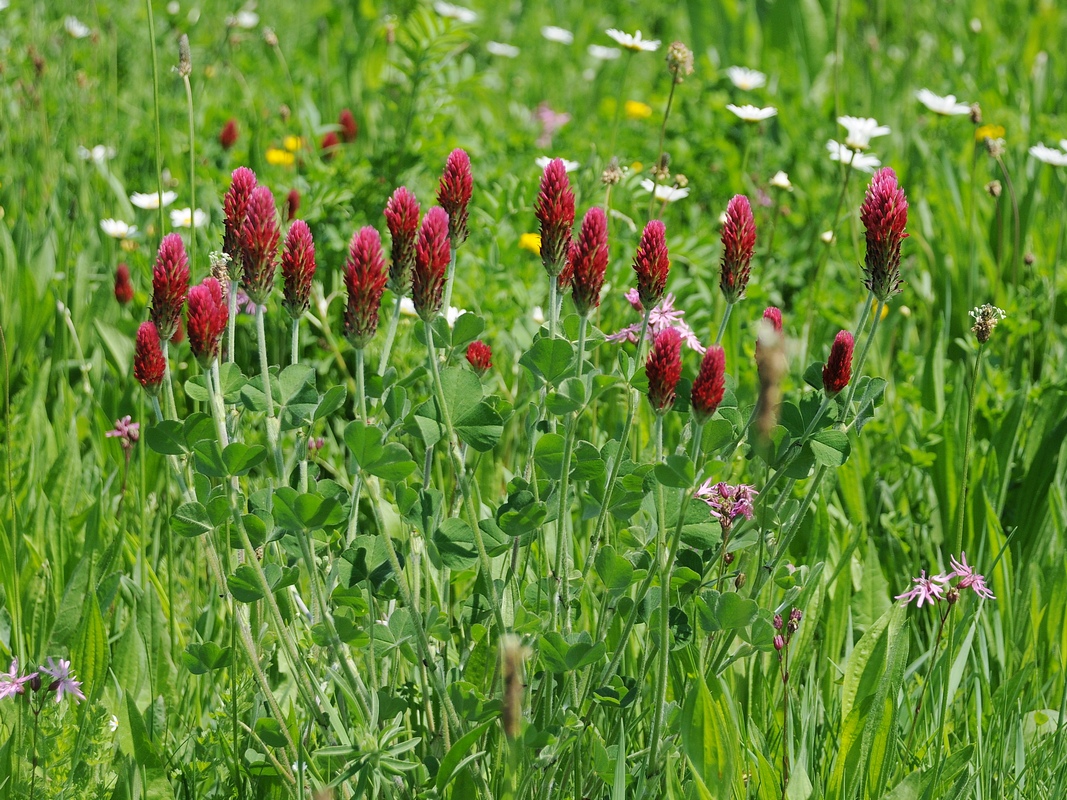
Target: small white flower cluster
{"points": [[1050, 155], [947, 106]]}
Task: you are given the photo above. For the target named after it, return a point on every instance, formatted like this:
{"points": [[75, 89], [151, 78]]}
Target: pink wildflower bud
{"points": [[652, 263], [298, 268], [123, 286], [710, 384], [774, 317], [454, 194], [148, 362], [235, 209], [330, 142], [228, 134], [838, 369], [555, 212], [664, 369], [431, 262], [738, 242], [365, 278], [480, 356], [777, 622], [589, 260], [779, 642], [884, 215], [292, 205], [259, 236], [207, 320], [349, 128], [402, 217], [170, 283]]}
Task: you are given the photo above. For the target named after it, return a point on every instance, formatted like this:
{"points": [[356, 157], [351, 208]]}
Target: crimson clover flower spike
{"points": [[62, 680], [664, 369], [365, 278], [292, 204], [349, 127], [259, 236], [925, 590], [431, 262], [123, 286], [774, 317], [710, 384], [555, 212], [228, 134], [208, 315], [838, 369], [298, 268], [235, 209], [402, 217], [652, 263], [170, 283], [589, 261], [148, 362], [884, 215], [738, 243], [454, 194], [480, 356]]}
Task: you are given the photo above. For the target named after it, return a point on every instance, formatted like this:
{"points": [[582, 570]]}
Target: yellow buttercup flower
{"points": [[531, 242], [280, 158], [637, 166], [635, 109], [989, 132], [293, 143], [885, 309]]}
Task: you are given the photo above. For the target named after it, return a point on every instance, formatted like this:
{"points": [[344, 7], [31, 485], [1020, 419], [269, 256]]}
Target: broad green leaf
{"points": [[330, 402], [394, 464], [481, 427], [270, 732], [244, 585], [548, 453], [295, 511], [166, 437], [365, 442], [455, 542], [458, 751], [239, 459], [615, 571], [677, 471], [830, 447], [203, 657], [191, 519], [706, 739], [549, 359], [231, 381], [89, 651], [466, 329]]}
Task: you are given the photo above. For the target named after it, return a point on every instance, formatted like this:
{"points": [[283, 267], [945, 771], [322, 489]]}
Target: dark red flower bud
{"points": [[148, 362], [228, 134], [777, 622], [589, 260], [170, 283], [123, 286], [884, 215], [235, 209], [349, 128], [555, 212], [431, 263], [207, 320], [652, 263], [480, 356], [292, 204], [330, 142], [402, 217], [774, 317], [365, 278], [738, 242], [838, 370], [664, 369], [779, 642], [710, 384], [298, 268], [454, 194], [259, 237]]}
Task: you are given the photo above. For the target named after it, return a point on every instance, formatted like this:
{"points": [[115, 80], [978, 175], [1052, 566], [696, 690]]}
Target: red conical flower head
{"points": [[235, 209], [402, 217], [664, 369], [555, 212], [298, 268], [652, 264], [123, 286], [148, 362], [838, 370], [480, 356], [228, 134], [454, 194], [330, 142], [206, 320], [738, 242], [589, 260], [431, 263], [170, 283], [349, 128], [884, 215], [365, 278], [259, 236], [710, 384], [774, 317]]}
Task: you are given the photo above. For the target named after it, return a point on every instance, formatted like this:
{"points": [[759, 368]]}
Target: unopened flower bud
{"points": [[728, 558], [739, 581], [778, 622], [976, 114], [185, 57], [952, 595], [613, 174], [779, 642], [993, 189]]}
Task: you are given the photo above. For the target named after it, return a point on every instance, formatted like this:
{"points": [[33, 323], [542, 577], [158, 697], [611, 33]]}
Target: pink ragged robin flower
{"points": [[11, 683], [365, 278], [710, 384], [555, 212], [402, 217], [292, 205], [207, 319], [968, 578], [652, 263], [170, 283], [884, 214], [838, 369], [127, 432], [349, 128], [148, 362], [664, 369], [589, 261], [664, 315], [431, 262], [62, 680], [228, 134], [235, 209], [774, 317], [480, 356], [454, 194], [298, 268], [738, 242], [925, 590], [727, 502], [123, 286], [259, 237]]}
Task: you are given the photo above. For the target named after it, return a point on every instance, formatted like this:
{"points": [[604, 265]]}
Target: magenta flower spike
{"points": [[884, 214], [207, 319], [454, 194], [365, 278], [480, 356], [710, 384], [235, 209], [664, 369], [402, 217], [298, 269], [148, 362], [738, 243], [170, 283], [555, 212], [431, 263], [259, 237], [589, 261], [838, 369], [652, 263]]}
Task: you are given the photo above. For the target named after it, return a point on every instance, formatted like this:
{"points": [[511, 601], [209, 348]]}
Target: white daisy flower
{"points": [[544, 161], [452, 314], [117, 229], [185, 217], [633, 42], [861, 130], [113, 723], [751, 113], [1049, 155], [601, 53], [501, 49], [846, 155], [99, 154], [746, 79], [780, 180], [664, 193], [458, 13], [243, 19], [942, 105], [555, 34], [407, 307], [76, 28], [151, 201]]}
